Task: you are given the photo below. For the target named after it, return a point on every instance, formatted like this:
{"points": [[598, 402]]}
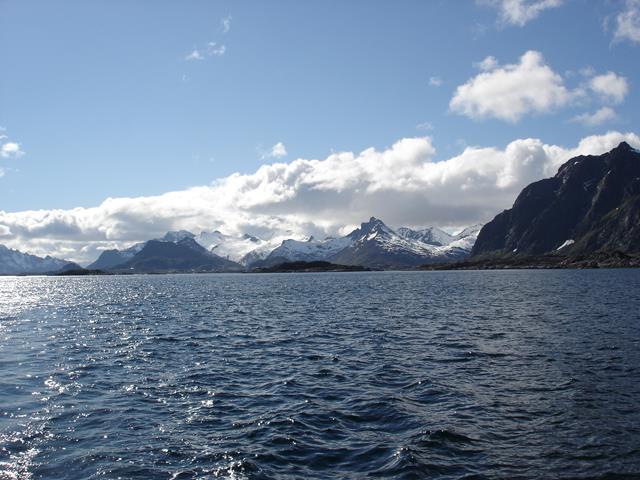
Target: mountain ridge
{"points": [[591, 204], [15, 262], [402, 248]]}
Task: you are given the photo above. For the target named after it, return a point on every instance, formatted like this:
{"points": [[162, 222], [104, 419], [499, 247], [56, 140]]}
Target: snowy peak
{"points": [[430, 235], [236, 248], [372, 227], [308, 250], [471, 231]]}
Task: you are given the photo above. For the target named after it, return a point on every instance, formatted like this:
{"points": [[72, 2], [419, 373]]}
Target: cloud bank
{"points": [[402, 184]]}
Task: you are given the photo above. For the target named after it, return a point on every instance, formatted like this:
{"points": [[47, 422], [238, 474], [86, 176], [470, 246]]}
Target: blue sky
{"points": [[101, 99]]}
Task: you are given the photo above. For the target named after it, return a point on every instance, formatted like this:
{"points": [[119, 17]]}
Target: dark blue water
{"points": [[521, 374]]}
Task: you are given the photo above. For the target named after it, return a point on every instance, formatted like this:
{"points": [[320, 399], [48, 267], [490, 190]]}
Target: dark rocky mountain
{"points": [[112, 258], [185, 255], [14, 262], [592, 204]]}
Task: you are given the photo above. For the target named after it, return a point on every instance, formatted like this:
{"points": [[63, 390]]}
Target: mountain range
{"points": [[373, 244], [14, 262]]}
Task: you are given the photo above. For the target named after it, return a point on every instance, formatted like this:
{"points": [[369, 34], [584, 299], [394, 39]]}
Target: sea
{"points": [[526, 374]]}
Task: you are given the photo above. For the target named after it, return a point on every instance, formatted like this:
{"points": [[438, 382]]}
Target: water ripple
{"points": [[454, 375]]}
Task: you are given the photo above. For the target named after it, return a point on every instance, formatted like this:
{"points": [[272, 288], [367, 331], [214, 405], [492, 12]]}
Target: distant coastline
{"points": [[596, 260], [614, 259]]}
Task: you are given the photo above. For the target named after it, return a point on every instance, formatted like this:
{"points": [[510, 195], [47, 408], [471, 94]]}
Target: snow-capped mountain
{"points": [[430, 235], [375, 244], [13, 262], [241, 249], [308, 250], [466, 238]]}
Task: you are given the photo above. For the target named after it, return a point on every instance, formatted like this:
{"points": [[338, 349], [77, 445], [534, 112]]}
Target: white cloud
{"points": [[488, 64], [610, 87], [226, 24], [10, 149], [194, 55], [215, 49], [277, 151], [603, 115], [520, 12], [435, 81], [628, 22], [212, 49], [511, 91], [402, 184], [4, 231]]}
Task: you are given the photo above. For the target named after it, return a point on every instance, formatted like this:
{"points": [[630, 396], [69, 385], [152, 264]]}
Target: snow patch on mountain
{"points": [[310, 249], [243, 249]]}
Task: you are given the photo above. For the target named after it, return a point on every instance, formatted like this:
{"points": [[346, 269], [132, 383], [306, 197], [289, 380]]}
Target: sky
{"points": [[120, 119]]}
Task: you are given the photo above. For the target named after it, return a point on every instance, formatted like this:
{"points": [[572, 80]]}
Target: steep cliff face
{"points": [[591, 204]]}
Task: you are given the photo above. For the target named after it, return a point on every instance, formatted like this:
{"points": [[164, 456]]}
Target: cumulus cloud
{"points": [[511, 91], [402, 184], [600, 116], [521, 12], [628, 22], [610, 87]]}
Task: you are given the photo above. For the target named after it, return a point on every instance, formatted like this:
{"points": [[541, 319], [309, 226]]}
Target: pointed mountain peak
{"points": [[372, 223], [625, 147], [372, 226]]}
